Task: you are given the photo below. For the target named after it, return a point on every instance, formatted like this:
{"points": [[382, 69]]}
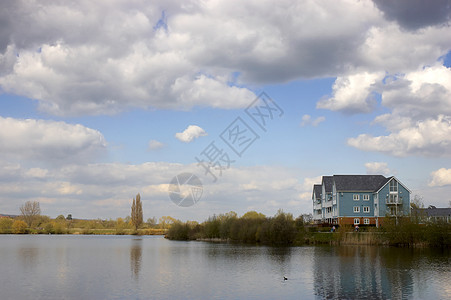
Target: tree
{"points": [[30, 211], [19, 227], [137, 212], [253, 215], [152, 221], [417, 202], [166, 221]]}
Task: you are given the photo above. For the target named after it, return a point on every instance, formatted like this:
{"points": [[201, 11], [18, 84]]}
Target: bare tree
{"points": [[30, 211], [417, 202], [137, 212]]}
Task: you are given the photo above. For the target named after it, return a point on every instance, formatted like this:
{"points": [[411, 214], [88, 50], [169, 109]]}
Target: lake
{"points": [[151, 267]]}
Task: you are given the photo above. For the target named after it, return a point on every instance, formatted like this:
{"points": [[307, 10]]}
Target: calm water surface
{"points": [[150, 267]]}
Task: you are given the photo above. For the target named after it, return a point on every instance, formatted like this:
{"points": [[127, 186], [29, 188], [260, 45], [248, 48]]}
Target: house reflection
{"points": [[362, 272], [136, 257]]}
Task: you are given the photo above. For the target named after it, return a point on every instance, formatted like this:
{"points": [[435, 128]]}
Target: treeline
{"points": [[283, 229], [252, 227], [67, 225]]}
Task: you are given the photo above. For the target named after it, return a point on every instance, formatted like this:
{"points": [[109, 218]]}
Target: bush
{"points": [[6, 225], [19, 227], [48, 228]]}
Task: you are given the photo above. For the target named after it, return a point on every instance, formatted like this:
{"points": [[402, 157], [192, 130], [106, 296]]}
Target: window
{"points": [[356, 197], [366, 209], [366, 221], [393, 186], [366, 197], [356, 221], [356, 209]]}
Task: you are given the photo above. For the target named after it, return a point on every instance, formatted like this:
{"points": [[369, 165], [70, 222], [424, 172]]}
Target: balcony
{"points": [[393, 202], [393, 199]]}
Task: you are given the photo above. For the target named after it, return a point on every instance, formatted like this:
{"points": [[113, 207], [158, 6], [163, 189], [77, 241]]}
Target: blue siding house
{"points": [[359, 199]]}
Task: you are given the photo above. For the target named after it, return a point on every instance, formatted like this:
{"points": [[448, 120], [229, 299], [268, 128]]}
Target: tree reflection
{"points": [[135, 257], [28, 256]]}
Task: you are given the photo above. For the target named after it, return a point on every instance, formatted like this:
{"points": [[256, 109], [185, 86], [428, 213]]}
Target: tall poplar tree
{"points": [[137, 212]]}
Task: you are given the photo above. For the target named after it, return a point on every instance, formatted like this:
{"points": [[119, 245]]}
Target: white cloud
{"points": [[376, 168], [431, 137], [155, 145], [82, 189], [190, 133], [307, 189], [37, 173], [48, 51], [307, 120], [353, 93], [419, 121], [48, 140], [419, 94], [440, 177]]}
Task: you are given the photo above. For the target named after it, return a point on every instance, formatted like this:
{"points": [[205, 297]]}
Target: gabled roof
{"points": [[327, 182], [388, 180], [317, 190], [368, 183]]}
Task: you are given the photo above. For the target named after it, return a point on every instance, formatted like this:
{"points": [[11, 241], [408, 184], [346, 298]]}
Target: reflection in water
{"points": [[28, 256], [135, 257], [280, 259], [363, 272], [126, 267]]}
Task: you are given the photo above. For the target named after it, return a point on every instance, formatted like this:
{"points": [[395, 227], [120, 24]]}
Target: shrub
{"points": [[19, 227], [6, 225]]}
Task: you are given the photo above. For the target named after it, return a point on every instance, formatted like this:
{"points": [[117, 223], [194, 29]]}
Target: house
{"points": [[359, 199], [432, 214]]}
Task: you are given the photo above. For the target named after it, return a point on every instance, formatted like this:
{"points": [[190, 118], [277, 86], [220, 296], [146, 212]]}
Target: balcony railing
{"points": [[388, 201]]}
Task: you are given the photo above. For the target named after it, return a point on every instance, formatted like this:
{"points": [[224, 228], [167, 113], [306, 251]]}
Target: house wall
{"points": [[403, 209], [316, 206], [346, 204], [350, 221]]}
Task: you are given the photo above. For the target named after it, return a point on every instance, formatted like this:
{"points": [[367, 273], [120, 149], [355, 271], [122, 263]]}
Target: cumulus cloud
{"points": [[49, 141], [431, 137], [307, 120], [144, 59], [419, 94], [376, 168], [440, 177], [190, 133], [155, 145], [352, 93], [419, 103]]}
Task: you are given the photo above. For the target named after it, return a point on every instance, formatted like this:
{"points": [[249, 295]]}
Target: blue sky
{"points": [[100, 101]]}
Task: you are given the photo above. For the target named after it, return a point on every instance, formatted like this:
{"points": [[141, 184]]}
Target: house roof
{"points": [[359, 182], [435, 212], [317, 190], [388, 179], [328, 181]]}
